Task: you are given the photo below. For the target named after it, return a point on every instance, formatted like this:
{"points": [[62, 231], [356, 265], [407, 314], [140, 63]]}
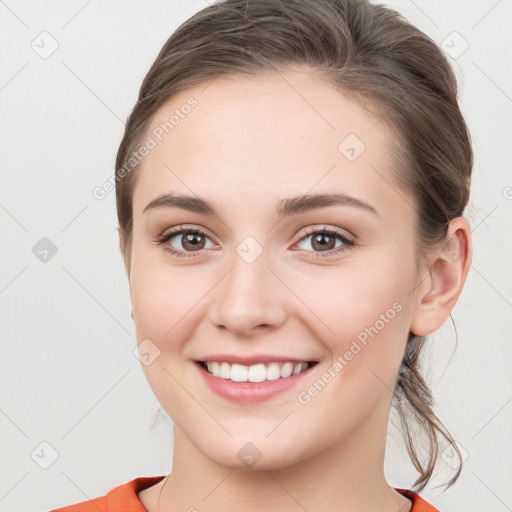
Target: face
{"points": [[261, 279]]}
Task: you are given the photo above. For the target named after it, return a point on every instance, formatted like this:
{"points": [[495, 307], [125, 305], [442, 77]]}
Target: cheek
{"points": [[167, 300], [365, 318], [166, 303], [355, 300], [368, 323]]}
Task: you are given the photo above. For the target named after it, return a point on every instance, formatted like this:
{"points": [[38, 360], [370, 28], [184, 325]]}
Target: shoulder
{"points": [[418, 503], [122, 498]]}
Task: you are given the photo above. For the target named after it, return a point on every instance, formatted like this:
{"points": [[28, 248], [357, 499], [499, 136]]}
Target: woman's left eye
{"points": [[325, 239], [195, 240]]}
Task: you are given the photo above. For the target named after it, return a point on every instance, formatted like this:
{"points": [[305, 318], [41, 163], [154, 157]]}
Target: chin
{"points": [[257, 455]]}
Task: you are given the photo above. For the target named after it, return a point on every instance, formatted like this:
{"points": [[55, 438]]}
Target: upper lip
{"points": [[255, 359]]}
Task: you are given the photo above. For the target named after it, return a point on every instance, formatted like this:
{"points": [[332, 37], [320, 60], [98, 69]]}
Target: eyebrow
{"points": [[286, 207]]}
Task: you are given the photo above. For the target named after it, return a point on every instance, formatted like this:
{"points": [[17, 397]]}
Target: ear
{"points": [[121, 241], [121, 249], [440, 289]]}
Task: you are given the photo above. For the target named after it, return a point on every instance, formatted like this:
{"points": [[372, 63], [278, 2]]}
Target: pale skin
{"points": [[248, 144]]}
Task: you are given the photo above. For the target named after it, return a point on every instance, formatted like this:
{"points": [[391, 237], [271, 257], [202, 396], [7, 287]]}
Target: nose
{"points": [[250, 297]]}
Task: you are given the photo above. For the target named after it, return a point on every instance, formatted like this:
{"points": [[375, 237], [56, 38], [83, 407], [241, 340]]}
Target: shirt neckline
{"points": [[133, 487]]}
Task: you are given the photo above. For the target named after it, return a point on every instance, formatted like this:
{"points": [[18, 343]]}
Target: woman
{"points": [[290, 194]]}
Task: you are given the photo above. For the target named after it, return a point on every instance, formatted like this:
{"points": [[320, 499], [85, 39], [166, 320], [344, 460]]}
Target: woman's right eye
{"points": [[192, 240]]}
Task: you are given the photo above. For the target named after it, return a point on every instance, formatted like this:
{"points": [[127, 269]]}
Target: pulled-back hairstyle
{"points": [[382, 62]]}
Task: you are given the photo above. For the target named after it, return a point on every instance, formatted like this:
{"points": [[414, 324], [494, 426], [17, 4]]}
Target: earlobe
{"points": [[441, 288]]}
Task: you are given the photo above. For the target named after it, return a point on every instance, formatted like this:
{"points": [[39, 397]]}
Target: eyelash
{"points": [[347, 242]]}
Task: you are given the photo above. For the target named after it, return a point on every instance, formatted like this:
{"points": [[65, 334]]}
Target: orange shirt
{"points": [[123, 498]]}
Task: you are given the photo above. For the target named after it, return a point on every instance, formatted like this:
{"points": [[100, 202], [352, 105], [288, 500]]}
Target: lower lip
{"points": [[249, 392]]}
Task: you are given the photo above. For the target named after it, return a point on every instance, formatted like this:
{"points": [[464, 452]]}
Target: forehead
{"points": [[267, 136]]}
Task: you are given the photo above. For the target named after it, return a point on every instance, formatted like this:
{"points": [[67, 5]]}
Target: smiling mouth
{"points": [[255, 373]]}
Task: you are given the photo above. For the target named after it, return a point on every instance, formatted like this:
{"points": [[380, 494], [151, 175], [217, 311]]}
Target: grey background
{"points": [[69, 375]]}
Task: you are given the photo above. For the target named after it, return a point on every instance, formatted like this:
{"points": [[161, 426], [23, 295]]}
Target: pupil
{"points": [[323, 240], [193, 239]]}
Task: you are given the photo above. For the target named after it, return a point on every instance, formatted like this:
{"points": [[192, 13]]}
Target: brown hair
{"points": [[376, 57]]}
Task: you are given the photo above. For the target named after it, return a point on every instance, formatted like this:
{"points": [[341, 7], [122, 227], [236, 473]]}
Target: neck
{"points": [[347, 477]]}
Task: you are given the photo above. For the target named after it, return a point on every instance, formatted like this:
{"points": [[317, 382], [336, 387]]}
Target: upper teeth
{"points": [[256, 372]]}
